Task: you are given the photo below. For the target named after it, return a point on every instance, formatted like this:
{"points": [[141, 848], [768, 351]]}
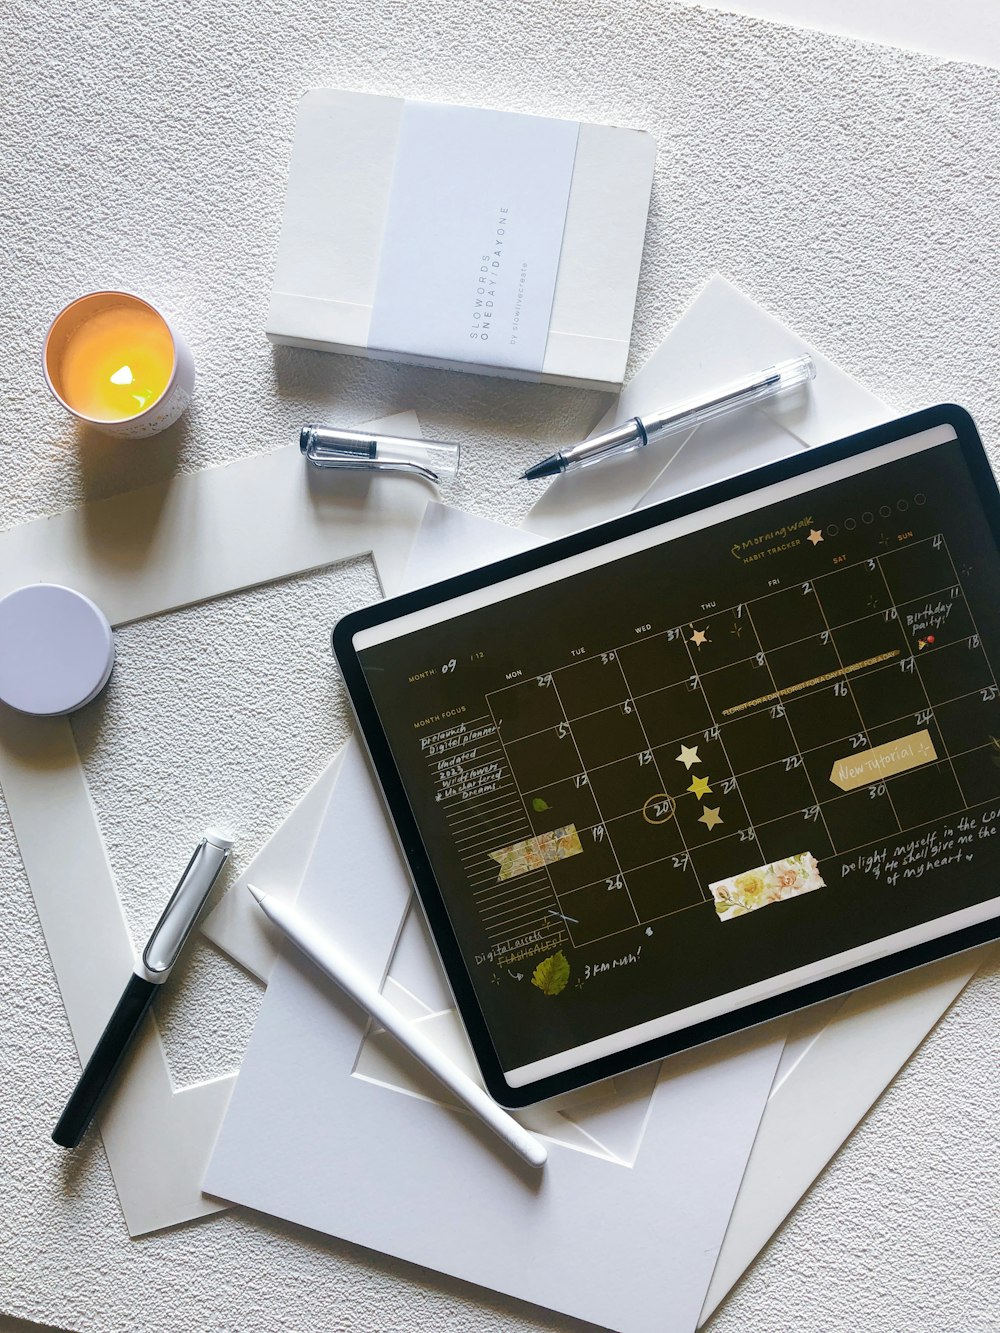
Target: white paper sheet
{"points": [[360, 1146], [965, 30], [137, 554], [722, 335]]}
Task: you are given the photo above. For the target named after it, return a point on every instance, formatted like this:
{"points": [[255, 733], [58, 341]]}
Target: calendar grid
{"points": [[850, 690], [620, 876], [683, 848], [659, 774], [797, 753]]}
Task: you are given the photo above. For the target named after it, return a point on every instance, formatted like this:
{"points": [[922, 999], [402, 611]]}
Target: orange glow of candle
{"points": [[109, 357], [116, 362]]}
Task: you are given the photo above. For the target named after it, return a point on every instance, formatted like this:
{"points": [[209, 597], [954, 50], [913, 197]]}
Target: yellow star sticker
{"points": [[698, 636], [688, 755], [699, 787], [709, 816], [815, 536]]}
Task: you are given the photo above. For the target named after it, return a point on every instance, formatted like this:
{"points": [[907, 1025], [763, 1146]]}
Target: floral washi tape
{"points": [[765, 885]]}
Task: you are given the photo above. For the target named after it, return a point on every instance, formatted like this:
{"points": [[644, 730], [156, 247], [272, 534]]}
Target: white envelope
{"points": [[838, 1057], [721, 336], [694, 1120]]}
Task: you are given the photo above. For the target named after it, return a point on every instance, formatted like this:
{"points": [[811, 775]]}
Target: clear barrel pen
{"points": [[638, 432]]}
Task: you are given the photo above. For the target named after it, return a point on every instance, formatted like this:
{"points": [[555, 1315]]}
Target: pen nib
{"points": [[257, 894], [548, 467]]}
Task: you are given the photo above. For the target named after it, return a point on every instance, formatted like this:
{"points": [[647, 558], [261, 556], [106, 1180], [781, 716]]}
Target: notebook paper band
{"points": [[473, 234]]}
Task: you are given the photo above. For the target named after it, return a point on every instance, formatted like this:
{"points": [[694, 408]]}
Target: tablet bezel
{"points": [[407, 829]]}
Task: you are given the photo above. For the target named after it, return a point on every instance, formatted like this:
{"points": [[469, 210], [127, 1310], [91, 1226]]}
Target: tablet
{"points": [[691, 769]]}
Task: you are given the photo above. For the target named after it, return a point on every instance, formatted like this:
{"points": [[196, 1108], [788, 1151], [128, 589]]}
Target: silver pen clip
{"points": [[181, 912], [356, 451], [348, 464]]}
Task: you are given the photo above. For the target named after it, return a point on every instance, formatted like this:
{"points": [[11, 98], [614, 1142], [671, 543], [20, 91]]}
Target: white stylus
{"points": [[325, 954]]}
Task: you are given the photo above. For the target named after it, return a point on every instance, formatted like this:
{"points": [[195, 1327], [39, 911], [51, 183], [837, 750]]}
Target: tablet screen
{"points": [[665, 778]]}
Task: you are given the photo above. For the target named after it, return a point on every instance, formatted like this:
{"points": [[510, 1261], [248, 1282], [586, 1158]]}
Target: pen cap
{"points": [[220, 839], [797, 370], [327, 447], [186, 902]]}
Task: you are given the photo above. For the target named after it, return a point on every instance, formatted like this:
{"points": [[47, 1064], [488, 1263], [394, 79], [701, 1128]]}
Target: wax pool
{"points": [[117, 363]]}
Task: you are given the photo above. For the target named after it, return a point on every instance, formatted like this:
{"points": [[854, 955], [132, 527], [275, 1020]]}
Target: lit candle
{"points": [[115, 362]]}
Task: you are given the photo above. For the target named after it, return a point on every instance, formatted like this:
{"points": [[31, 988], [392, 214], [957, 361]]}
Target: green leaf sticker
{"points": [[539, 805], [551, 974]]}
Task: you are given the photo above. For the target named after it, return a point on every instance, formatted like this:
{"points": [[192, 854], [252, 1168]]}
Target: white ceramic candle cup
{"points": [[159, 415]]}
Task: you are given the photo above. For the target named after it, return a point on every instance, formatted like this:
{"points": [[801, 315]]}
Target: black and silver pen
{"points": [[637, 432], [159, 956]]}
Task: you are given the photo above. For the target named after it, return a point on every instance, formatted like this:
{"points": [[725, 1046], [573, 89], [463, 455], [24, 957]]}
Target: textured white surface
{"points": [[960, 30], [849, 188]]}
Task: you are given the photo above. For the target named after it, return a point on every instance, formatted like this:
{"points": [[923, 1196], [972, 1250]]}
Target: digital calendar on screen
{"points": [[668, 778]]}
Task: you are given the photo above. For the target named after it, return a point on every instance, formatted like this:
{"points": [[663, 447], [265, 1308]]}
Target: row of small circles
{"points": [[868, 516]]}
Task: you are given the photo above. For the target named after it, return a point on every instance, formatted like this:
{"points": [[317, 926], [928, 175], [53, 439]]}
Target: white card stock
{"points": [[194, 537], [473, 234], [369, 1149], [720, 337], [841, 1056]]}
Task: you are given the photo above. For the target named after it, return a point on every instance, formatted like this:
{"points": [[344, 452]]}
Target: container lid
{"points": [[56, 649]]}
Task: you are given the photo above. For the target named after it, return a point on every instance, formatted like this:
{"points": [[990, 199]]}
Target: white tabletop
{"points": [[960, 30], [850, 188]]}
